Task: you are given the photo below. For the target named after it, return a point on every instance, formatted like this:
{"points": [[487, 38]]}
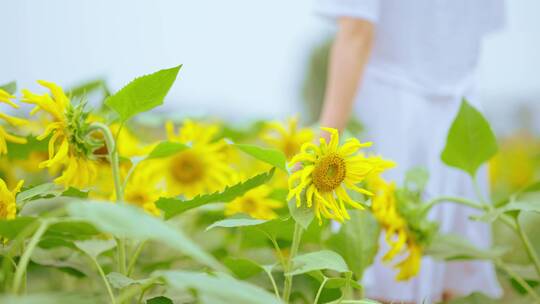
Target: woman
{"points": [[409, 63]]}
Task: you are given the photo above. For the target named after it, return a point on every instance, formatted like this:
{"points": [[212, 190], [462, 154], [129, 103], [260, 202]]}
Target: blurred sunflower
{"points": [[69, 145], [257, 203], [328, 170], [398, 237], [143, 189], [288, 139], [201, 168], [8, 205], [13, 121]]}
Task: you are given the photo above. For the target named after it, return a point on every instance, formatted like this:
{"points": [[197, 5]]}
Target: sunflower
{"points": [[257, 203], [8, 205], [397, 233], [143, 189], [14, 121], [328, 170], [69, 145], [202, 167], [288, 139]]}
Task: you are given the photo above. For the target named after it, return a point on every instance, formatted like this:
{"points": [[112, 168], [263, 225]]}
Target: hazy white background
{"points": [[242, 58]]}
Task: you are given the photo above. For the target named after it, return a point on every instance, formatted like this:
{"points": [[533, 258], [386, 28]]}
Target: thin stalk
{"points": [[104, 278], [519, 280], [478, 191], [457, 200], [528, 247], [119, 191], [276, 291], [135, 257], [25, 258], [294, 249], [320, 290]]}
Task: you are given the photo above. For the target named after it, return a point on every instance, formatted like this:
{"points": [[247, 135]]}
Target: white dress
{"points": [[422, 64]]}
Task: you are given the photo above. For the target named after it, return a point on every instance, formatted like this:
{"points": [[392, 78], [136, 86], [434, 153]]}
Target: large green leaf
{"points": [[175, 206], [143, 93], [166, 148], [453, 247], [319, 260], [470, 141], [126, 221], [357, 241], [11, 228], [273, 157], [218, 288]]}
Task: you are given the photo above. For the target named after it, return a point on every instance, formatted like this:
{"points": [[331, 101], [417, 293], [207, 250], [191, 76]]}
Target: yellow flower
{"points": [[200, 169], [8, 205], [287, 139], [256, 202], [384, 208], [69, 146], [14, 121], [143, 188], [328, 170]]}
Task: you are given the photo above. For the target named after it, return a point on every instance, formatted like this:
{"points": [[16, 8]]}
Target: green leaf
{"points": [[273, 157], [126, 221], [243, 268], [236, 222], [474, 298], [120, 281], [74, 192], [218, 288], [303, 215], [175, 206], [166, 148], [143, 93], [10, 87], [319, 260], [23, 151], [452, 247], [37, 192], [11, 228], [159, 300], [470, 141], [72, 230], [95, 247], [88, 87], [357, 241]]}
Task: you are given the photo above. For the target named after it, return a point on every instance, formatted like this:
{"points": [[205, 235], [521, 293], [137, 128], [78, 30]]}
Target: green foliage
{"points": [[143, 93], [165, 149], [319, 260], [453, 247], [48, 298], [175, 206], [470, 141], [94, 248], [159, 300], [218, 288], [236, 222], [243, 268], [303, 215], [357, 241], [11, 228], [273, 157], [474, 298], [126, 221], [10, 87], [88, 88], [23, 151]]}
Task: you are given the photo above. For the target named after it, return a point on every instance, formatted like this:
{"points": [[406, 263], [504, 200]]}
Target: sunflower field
{"points": [[97, 207]]}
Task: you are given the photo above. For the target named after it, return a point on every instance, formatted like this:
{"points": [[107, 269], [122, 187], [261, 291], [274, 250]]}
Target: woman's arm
{"points": [[349, 54]]}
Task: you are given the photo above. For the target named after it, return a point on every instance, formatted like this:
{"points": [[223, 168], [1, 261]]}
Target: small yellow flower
{"points": [[69, 146], [384, 208], [288, 139], [203, 167], [8, 205], [14, 121], [256, 203], [328, 170], [143, 188]]}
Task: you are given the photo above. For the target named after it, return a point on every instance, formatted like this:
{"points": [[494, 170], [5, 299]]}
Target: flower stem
{"points": [[104, 278], [294, 249], [528, 247], [119, 191], [320, 291], [134, 258], [25, 258], [457, 200]]}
